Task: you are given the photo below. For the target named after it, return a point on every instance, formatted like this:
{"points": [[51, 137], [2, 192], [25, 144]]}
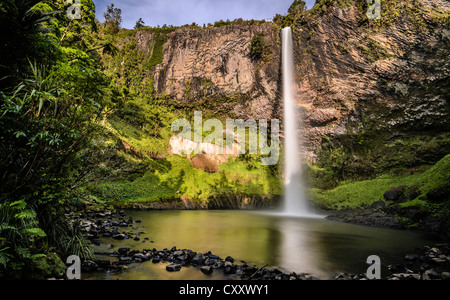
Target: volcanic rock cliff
{"points": [[213, 66], [373, 95]]}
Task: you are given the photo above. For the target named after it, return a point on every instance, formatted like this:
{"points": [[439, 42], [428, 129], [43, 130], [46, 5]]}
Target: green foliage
{"points": [[297, 7], [372, 50], [257, 47], [372, 153], [19, 236], [433, 188], [113, 18], [158, 54], [174, 177], [357, 194], [139, 24], [49, 106]]}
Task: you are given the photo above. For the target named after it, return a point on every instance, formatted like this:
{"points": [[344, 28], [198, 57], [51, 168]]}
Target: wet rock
{"points": [[173, 268], [206, 269], [89, 266], [123, 251], [229, 268], [411, 257], [141, 256], [198, 259], [405, 276], [230, 259], [212, 256], [119, 237], [431, 275], [397, 268], [125, 259], [218, 264], [343, 276], [439, 260]]}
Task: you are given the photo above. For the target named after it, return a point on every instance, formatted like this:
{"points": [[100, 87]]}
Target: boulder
{"points": [[206, 269], [229, 268], [395, 194], [89, 266], [96, 242], [198, 259], [119, 236], [125, 259], [431, 275], [123, 251], [230, 259], [173, 268], [140, 256], [445, 276]]}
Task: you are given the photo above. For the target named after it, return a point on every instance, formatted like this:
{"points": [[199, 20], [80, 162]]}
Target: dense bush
{"points": [[49, 106]]}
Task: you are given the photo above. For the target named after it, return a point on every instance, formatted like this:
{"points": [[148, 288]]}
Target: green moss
{"points": [[361, 193], [142, 142], [174, 177], [373, 152], [372, 50], [357, 194], [157, 55]]}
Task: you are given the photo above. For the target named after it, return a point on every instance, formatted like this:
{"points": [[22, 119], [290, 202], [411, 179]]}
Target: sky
{"points": [[181, 12]]}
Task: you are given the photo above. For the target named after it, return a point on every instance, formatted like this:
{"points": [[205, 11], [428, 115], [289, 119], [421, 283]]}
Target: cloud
{"points": [[181, 12]]}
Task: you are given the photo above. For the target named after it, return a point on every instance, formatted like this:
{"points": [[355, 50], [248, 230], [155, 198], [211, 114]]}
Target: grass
{"points": [[359, 194], [141, 141], [174, 177]]}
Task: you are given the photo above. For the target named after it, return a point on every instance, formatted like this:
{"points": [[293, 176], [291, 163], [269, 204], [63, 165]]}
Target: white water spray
{"points": [[295, 202]]}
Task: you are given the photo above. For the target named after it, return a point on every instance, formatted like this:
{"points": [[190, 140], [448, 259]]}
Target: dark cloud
{"points": [[181, 12]]}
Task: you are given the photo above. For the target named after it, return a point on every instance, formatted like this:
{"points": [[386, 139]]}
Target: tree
{"points": [[51, 98], [257, 47], [139, 24], [298, 7], [113, 18]]}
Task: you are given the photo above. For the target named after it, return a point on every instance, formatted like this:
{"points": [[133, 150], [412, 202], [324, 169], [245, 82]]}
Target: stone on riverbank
{"points": [[173, 268]]}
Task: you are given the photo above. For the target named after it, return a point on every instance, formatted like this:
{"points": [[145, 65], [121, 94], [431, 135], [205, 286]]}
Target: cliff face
{"points": [[371, 97], [213, 67], [356, 79]]}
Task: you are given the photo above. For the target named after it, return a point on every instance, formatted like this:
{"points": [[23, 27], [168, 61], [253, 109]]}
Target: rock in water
{"points": [[206, 269], [173, 268], [198, 259]]}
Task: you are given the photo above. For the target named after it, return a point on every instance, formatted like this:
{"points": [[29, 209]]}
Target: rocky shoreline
{"points": [[429, 263]]}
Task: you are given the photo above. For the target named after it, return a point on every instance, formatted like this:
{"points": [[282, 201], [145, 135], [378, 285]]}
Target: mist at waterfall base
{"points": [[295, 201]]}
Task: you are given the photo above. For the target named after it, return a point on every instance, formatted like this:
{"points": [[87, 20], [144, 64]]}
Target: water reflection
{"points": [[296, 251], [315, 246]]}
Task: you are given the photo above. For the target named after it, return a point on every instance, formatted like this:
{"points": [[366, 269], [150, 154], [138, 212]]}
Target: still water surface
{"points": [[316, 246]]}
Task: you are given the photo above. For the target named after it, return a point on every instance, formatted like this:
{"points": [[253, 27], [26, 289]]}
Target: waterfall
{"points": [[295, 202]]}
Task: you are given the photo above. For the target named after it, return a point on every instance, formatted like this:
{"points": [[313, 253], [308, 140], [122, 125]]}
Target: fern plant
{"points": [[19, 231]]}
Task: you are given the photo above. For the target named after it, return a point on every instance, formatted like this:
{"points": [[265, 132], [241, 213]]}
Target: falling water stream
{"points": [[295, 203]]}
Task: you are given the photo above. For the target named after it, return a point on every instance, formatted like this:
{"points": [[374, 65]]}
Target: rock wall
{"points": [[214, 66], [354, 79]]}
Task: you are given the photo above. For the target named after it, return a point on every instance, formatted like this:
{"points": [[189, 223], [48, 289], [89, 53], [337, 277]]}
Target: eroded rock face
{"points": [[215, 64], [352, 77]]}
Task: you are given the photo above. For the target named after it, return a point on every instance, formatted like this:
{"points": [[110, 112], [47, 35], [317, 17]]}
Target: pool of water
{"points": [[303, 245]]}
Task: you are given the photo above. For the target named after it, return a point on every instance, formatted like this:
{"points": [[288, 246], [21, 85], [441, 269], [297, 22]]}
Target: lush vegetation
{"points": [[430, 190], [52, 95], [82, 121]]}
